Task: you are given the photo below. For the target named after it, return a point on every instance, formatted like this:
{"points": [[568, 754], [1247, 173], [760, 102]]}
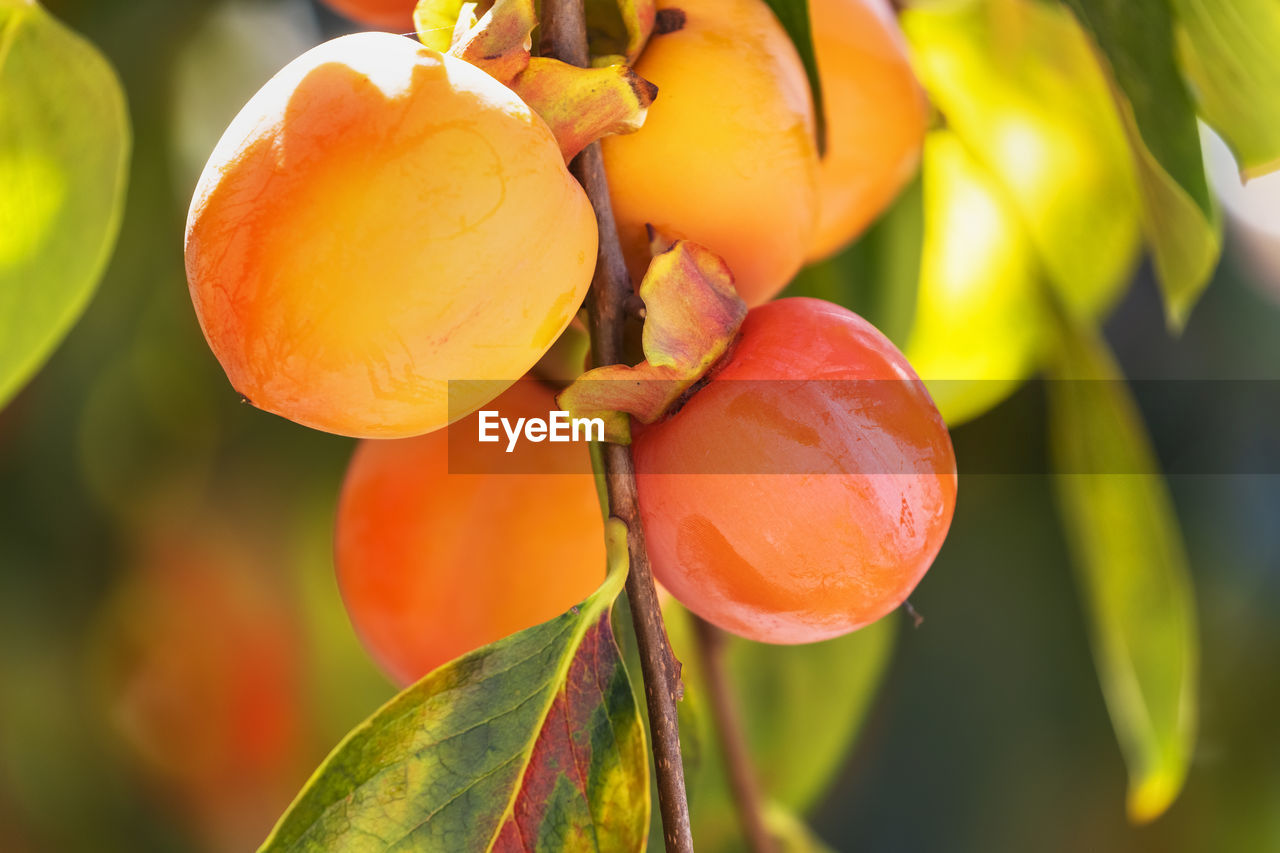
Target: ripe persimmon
{"points": [[381, 219], [727, 155], [433, 564], [876, 117], [806, 488], [393, 15]]}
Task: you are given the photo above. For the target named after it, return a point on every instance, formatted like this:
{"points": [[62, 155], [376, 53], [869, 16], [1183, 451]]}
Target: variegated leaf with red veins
{"points": [[532, 743]]}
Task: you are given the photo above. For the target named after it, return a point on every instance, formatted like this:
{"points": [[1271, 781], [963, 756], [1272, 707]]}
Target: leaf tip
{"points": [[1151, 797]]}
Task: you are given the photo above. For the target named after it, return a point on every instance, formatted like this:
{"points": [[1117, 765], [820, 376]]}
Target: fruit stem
{"points": [[564, 36], [733, 744]]}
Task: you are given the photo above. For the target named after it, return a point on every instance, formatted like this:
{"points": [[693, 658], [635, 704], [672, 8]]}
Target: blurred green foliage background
{"points": [[174, 658]]}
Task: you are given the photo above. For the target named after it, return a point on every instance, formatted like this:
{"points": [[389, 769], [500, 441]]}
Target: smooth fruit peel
{"points": [[381, 219]]}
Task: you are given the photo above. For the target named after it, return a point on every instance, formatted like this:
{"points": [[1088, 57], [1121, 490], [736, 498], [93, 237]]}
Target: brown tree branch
{"points": [[564, 36], [733, 744]]}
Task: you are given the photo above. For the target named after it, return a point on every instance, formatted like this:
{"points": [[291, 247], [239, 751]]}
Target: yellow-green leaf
{"points": [[1230, 52], [1132, 568], [1182, 225], [1021, 86], [980, 311], [64, 148], [790, 834], [531, 743]]}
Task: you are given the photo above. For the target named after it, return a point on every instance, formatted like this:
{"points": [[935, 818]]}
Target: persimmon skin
{"points": [[393, 15], [876, 117], [727, 155], [377, 221], [433, 564], [843, 494]]}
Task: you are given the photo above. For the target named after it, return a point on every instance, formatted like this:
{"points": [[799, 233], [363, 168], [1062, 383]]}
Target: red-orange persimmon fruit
{"points": [[434, 564], [393, 15], [805, 490]]}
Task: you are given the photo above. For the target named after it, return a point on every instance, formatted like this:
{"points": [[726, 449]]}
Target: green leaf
{"points": [[64, 149], [1229, 52], [801, 709], [1181, 223], [791, 834], [804, 705], [980, 316], [1033, 164], [1132, 567], [1021, 86], [531, 743], [794, 17]]}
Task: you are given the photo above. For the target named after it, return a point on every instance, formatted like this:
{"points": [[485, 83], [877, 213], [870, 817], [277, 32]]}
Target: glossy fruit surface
{"points": [[377, 221], [434, 564], [726, 156], [805, 490], [393, 15], [876, 117]]}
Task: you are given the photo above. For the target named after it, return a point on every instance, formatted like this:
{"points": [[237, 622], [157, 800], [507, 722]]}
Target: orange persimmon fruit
{"points": [[438, 554], [378, 220], [876, 117], [727, 155]]}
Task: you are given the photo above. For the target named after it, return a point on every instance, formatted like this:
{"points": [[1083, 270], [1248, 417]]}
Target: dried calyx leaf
{"points": [[580, 105], [692, 317], [500, 42], [583, 104]]}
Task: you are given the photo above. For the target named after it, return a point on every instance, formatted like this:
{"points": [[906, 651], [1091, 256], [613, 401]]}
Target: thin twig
{"points": [[564, 36], [733, 744]]}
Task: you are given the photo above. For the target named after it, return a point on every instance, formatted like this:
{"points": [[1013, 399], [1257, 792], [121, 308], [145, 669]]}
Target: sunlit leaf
{"points": [[794, 15], [801, 709], [435, 21], [531, 743], [1181, 223], [1032, 166], [1019, 83], [980, 314], [64, 148], [1229, 51], [1132, 567]]}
